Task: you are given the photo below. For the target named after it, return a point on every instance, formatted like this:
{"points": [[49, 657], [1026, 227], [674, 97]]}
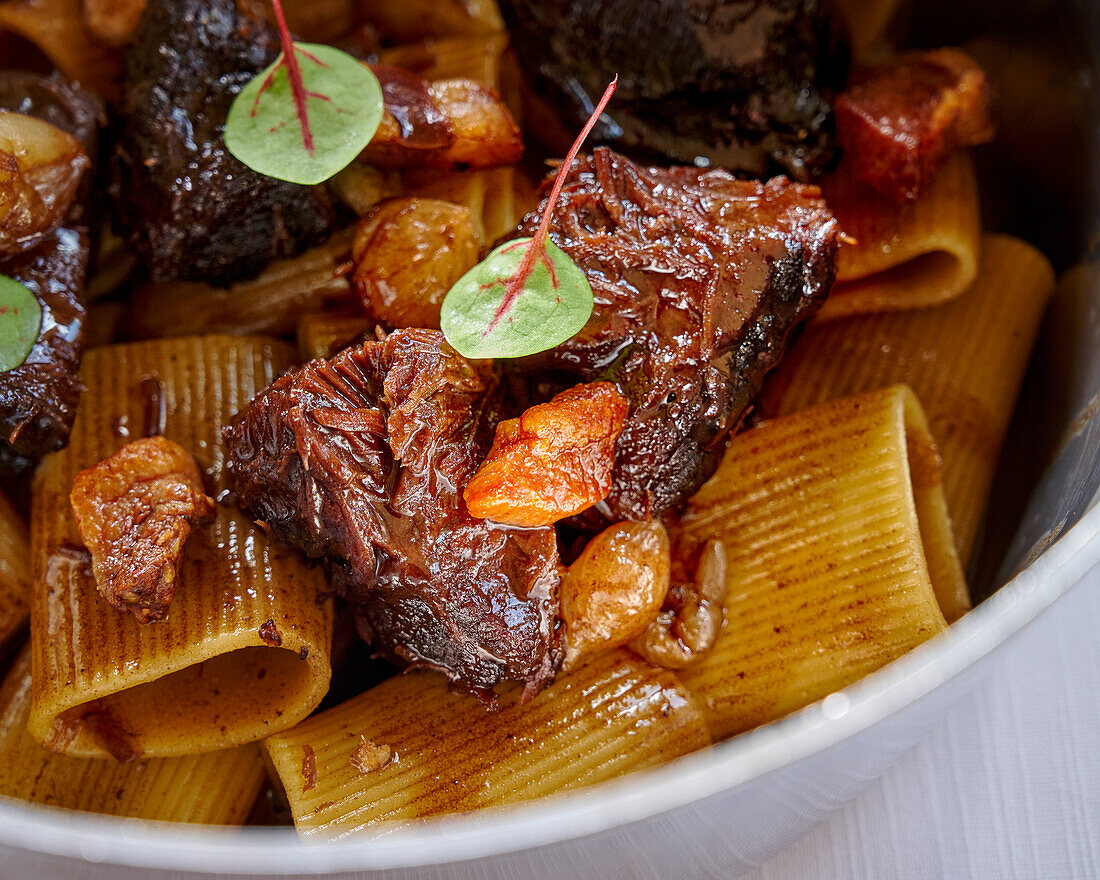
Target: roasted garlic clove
{"points": [[408, 253], [682, 633], [615, 589], [40, 170]]}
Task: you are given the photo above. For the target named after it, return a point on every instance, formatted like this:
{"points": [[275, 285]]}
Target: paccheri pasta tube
{"points": [[320, 334], [410, 748], [490, 196], [15, 570], [964, 360], [215, 788], [269, 303], [919, 253], [839, 555], [244, 651], [475, 57]]}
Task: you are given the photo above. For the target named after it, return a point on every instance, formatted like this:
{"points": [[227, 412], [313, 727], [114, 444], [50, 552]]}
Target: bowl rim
{"points": [[136, 843]]}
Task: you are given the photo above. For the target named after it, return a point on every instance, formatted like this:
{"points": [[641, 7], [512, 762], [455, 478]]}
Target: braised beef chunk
{"points": [[38, 399], [362, 458], [699, 280], [193, 210], [747, 85], [900, 121]]}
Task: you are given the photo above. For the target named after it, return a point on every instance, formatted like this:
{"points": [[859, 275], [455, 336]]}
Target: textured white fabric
{"points": [[1007, 786]]}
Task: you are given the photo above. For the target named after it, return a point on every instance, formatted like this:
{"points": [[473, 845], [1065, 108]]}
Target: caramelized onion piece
{"points": [[408, 253], [615, 589], [552, 462], [40, 170], [687, 630]]}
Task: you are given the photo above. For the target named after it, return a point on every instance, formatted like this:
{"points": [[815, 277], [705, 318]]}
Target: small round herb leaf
{"points": [[20, 318], [555, 304], [307, 132]]}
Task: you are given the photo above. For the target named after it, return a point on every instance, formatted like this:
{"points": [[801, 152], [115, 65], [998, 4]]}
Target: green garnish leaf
{"points": [[306, 116], [527, 295], [555, 304], [20, 319]]}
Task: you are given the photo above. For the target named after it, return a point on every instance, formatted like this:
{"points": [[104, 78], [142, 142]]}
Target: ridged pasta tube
{"points": [[216, 788], [410, 748], [244, 651], [965, 361], [912, 255], [839, 555]]}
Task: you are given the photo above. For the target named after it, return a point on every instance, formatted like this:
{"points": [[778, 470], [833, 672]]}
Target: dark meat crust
{"points": [[747, 85], [699, 280], [363, 458], [193, 210], [38, 399]]}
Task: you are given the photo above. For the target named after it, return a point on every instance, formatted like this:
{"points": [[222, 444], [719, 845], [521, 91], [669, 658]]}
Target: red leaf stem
{"points": [[294, 74], [536, 248]]}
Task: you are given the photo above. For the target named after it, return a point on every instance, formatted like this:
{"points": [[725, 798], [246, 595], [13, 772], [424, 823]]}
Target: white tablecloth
{"points": [[1007, 786]]}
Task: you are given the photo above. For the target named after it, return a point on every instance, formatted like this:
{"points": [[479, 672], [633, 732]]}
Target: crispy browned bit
{"points": [[135, 511], [369, 757], [615, 589], [408, 253], [444, 124], [41, 168], [552, 462], [309, 767], [898, 122], [270, 635], [692, 617]]}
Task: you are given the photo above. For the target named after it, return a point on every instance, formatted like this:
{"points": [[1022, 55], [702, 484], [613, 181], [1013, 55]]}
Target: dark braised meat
{"points": [[193, 210], [900, 121], [699, 280], [363, 458], [747, 86], [38, 399], [135, 510]]}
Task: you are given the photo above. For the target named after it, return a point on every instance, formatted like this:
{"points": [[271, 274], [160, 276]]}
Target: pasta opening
{"points": [[918, 254], [933, 520], [240, 695]]}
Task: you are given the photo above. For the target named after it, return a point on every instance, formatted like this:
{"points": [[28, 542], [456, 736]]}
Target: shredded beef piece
{"points": [[363, 458], [899, 122], [746, 86], [194, 211], [699, 281], [38, 398], [135, 511]]}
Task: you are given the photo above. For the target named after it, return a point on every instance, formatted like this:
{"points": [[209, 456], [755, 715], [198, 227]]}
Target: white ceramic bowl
{"points": [[716, 813]]}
